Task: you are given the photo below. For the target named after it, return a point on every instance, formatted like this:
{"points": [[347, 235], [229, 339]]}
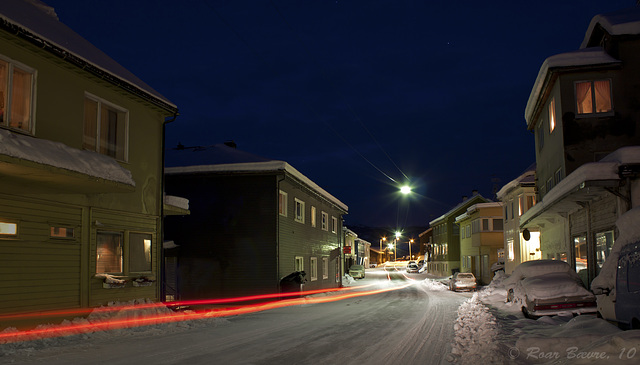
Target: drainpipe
{"points": [[280, 179], [161, 244]]}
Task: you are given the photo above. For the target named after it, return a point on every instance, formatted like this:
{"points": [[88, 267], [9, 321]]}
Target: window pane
{"points": [[498, 225], [604, 242], [112, 132], [109, 252], [139, 252], [485, 225], [4, 69], [89, 137], [552, 115], [8, 229], [21, 100], [603, 96], [580, 244], [583, 97]]}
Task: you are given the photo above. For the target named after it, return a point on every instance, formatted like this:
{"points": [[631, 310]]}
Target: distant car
{"points": [[462, 281], [356, 271], [412, 267], [548, 287], [421, 263]]}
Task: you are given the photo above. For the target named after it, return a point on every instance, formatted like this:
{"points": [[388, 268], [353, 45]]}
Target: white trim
{"points": [[299, 218]]}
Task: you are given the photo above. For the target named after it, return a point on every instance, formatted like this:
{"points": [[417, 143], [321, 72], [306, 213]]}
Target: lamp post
{"points": [[381, 240], [410, 242]]}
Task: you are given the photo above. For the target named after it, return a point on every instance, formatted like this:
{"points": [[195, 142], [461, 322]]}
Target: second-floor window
{"points": [[16, 95], [593, 97], [105, 128], [552, 115], [299, 210]]}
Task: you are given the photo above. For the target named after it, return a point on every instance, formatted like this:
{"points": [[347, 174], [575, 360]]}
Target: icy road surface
{"points": [[412, 325]]}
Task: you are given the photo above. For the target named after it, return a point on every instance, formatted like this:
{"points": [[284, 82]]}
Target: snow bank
{"points": [[434, 285], [476, 332]]}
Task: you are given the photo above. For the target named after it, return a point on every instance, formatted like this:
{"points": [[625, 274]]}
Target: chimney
{"points": [[231, 144], [464, 198], [474, 192]]}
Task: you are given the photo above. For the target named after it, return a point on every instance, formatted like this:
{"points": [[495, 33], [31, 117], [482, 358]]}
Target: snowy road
{"points": [[406, 326]]}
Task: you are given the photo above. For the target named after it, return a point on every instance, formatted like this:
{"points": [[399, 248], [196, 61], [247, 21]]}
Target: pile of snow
{"points": [[476, 332], [348, 279], [434, 285]]}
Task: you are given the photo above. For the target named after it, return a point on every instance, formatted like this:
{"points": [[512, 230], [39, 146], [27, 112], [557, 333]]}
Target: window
{"points": [[498, 225], [139, 252], [510, 252], [109, 252], [580, 245], [552, 115], [468, 231], [314, 269], [521, 208], [299, 263], [325, 221], [549, 184], [282, 203], [558, 176], [62, 232], [511, 208], [8, 229], [604, 242], [299, 210], [593, 97], [105, 128], [17, 83], [531, 201], [334, 224], [485, 225], [325, 268], [313, 216]]}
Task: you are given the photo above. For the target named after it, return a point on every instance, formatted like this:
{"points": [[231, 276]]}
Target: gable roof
{"points": [[464, 204], [621, 22], [37, 23], [223, 159], [528, 177]]}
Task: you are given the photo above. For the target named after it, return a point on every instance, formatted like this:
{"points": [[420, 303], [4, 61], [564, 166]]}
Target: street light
{"points": [[410, 242], [385, 240]]}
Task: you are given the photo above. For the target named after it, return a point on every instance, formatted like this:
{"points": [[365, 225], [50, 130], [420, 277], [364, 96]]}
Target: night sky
{"points": [[359, 96]]}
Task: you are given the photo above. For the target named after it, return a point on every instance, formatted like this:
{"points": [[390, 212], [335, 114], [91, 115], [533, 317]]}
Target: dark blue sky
{"points": [[353, 94]]}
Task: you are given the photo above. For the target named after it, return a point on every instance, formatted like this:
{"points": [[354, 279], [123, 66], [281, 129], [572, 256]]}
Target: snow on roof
{"points": [[42, 24], [625, 21], [527, 177], [584, 57], [461, 204], [221, 158], [605, 169], [62, 156], [177, 201]]}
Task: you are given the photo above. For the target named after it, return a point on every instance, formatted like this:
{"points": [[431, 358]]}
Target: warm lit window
{"points": [[593, 97], [16, 95], [282, 203], [521, 207], [334, 224], [105, 128], [109, 252], [325, 221], [299, 210], [314, 269], [552, 115], [8, 229], [313, 216], [510, 253], [531, 201], [139, 252], [62, 232]]}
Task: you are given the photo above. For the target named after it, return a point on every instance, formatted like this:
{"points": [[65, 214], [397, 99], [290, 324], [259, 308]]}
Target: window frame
{"points": [[313, 216], [593, 98], [119, 255], [128, 251], [298, 263], [97, 147], [325, 221], [7, 99], [313, 268], [10, 222], [334, 224], [283, 203], [299, 212], [325, 268]]}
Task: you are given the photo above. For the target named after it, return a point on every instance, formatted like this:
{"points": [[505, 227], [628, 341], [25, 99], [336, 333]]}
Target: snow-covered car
{"points": [[548, 287], [356, 271], [412, 267], [462, 281]]}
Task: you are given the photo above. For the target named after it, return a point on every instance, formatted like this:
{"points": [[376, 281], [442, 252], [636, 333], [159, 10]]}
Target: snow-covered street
{"points": [[410, 319]]}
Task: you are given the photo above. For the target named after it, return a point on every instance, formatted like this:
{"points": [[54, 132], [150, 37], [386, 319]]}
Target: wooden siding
{"points": [[38, 272], [115, 221]]}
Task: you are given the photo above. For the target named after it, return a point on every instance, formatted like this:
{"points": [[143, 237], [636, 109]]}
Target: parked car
{"points": [[548, 287], [462, 281], [412, 267], [356, 271]]}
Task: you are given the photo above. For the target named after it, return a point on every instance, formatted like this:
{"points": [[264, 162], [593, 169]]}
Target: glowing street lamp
{"points": [[406, 189]]}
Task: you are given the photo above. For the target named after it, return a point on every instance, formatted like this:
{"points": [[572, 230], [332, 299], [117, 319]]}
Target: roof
{"points": [[220, 158], [621, 22], [528, 177], [583, 58], [38, 23], [467, 203]]}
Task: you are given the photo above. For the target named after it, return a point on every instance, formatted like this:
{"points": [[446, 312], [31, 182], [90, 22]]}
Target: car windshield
{"points": [[356, 267], [465, 276]]}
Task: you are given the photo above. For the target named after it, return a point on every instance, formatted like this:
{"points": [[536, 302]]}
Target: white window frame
{"points": [[334, 224], [325, 221], [299, 204], [325, 268], [313, 216], [313, 268], [282, 203], [298, 263], [7, 99], [8, 228], [105, 103]]}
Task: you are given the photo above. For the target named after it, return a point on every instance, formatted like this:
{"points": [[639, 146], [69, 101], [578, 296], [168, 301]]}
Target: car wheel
{"points": [[527, 314]]}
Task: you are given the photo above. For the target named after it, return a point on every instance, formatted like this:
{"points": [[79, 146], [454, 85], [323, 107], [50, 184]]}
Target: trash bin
{"points": [[292, 282]]}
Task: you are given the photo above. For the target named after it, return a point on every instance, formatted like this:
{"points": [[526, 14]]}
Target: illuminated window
{"points": [[139, 252], [521, 207], [325, 268], [109, 252], [16, 95], [313, 269], [334, 225], [105, 128], [62, 232], [593, 97], [299, 210], [8, 229], [282, 203], [510, 253], [313, 216], [552, 115], [325, 221]]}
